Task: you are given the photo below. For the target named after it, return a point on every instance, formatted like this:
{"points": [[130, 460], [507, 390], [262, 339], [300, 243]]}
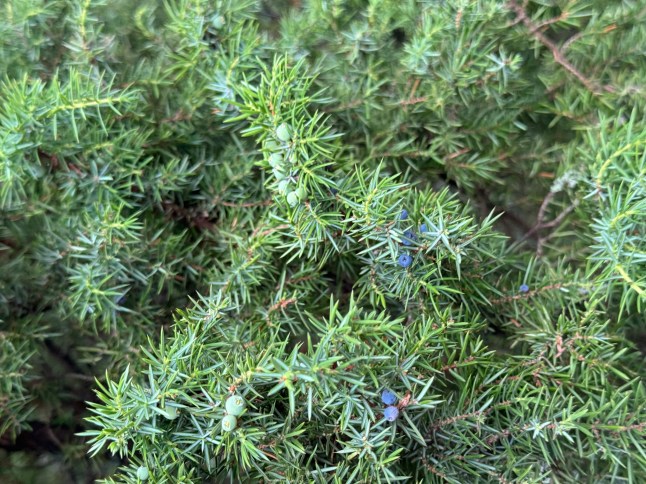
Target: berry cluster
{"points": [[234, 407], [281, 162], [391, 412], [405, 260]]}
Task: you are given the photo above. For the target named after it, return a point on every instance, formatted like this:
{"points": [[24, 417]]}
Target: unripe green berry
{"points": [[171, 413], [283, 185], [217, 21], [278, 174], [284, 133], [142, 473], [301, 192], [271, 145], [235, 405], [229, 423], [275, 160], [292, 199]]}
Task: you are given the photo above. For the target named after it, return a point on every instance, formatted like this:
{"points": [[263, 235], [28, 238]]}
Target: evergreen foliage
{"points": [[406, 240]]}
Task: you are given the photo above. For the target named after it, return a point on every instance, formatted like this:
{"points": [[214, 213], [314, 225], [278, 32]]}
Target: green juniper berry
{"points": [[293, 198], [275, 160], [284, 132], [229, 423], [235, 405], [143, 473]]}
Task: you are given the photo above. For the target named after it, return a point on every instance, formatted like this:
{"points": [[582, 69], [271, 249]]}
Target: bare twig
{"points": [[262, 203], [534, 30], [551, 21], [542, 224]]}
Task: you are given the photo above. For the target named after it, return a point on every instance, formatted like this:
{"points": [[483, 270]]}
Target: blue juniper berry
{"points": [[523, 288], [409, 237], [391, 413], [423, 228], [405, 260], [403, 215], [388, 397]]}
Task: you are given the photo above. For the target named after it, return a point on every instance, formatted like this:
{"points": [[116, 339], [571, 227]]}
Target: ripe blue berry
{"points": [[283, 132], [409, 237], [423, 228], [523, 288], [391, 413], [388, 397], [235, 405], [403, 215], [405, 260], [229, 423], [142, 473]]}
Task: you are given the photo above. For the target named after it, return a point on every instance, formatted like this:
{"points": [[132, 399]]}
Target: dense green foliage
{"points": [[445, 200]]}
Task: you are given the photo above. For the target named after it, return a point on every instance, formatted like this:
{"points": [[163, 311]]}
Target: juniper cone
{"points": [[405, 260], [138, 142], [218, 21], [229, 423], [391, 413], [283, 132], [293, 198], [301, 192], [275, 160], [143, 473], [409, 238], [279, 174], [235, 405], [171, 413], [388, 397]]}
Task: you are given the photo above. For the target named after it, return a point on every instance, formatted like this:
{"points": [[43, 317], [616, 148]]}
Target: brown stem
{"points": [[534, 30]]}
